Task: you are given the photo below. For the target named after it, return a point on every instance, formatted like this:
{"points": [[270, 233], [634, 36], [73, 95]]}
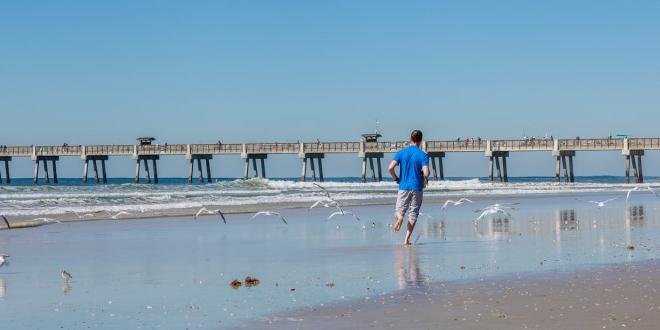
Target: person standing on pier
{"points": [[414, 170]]}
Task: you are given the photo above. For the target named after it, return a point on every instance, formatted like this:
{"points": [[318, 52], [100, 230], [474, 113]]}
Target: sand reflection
{"points": [[497, 228], [635, 216], [3, 288]]}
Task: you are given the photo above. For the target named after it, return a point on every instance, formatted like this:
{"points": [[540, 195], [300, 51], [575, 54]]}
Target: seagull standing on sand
{"points": [[455, 203], [3, 260], [207, 211], [6, 221], [269, 213], [66, 276]]}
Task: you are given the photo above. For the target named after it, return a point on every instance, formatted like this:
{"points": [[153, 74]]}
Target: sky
{"points": [[86, 72]]}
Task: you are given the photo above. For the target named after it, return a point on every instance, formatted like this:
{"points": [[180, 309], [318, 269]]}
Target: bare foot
{"points": [[397, 225], [407, 244]]}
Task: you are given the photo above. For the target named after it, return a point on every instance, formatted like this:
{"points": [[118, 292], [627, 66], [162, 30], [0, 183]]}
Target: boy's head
{"points": [[416, 136]]}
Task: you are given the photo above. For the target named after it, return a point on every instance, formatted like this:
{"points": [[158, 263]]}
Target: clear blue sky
{"points": [[197, 71]]}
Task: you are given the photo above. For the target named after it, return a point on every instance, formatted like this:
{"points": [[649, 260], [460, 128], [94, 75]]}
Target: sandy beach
{"points": [[605, 297]]}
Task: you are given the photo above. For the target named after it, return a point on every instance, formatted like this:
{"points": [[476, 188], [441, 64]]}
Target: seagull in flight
{"points": [[327, 193], [600, 204], [342, 213], [495, 209], [6, 221], [47, 220], [120, 213], [207, 211], [269, 213], [456, 203], [3, 260], [324, 203], [636, 188]]}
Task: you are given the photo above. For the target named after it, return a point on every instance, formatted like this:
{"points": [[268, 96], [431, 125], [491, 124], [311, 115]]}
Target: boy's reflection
{"points": [[407, 270]]}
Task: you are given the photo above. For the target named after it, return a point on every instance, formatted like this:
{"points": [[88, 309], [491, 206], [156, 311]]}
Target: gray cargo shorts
{"points": [[409, 199]]}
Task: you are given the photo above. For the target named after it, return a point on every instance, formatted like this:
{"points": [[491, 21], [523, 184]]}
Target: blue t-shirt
{"points": [[411, 160]]}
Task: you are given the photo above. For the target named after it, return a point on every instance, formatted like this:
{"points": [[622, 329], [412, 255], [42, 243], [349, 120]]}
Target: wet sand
{"points": [[602, 297]]}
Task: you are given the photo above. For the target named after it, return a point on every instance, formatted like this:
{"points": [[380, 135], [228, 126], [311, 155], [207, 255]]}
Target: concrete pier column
{"points": [[639, 168], [634, 165], [146, 171], [46, 176], [7, 170], [246, 168], [442, 168], [570, 168], [199, 170], [373, 171], [563, 163], [433, 168], [96, 171], [0, 176], [320, 160], [506, 174], [499, 170], [363, 176], [263, 168], [54, 165], [137, 170], [36, 171], [380, 170], [490, 168], [190, 169], [627, 168], [313, 170], [105, 177], [557, 168], [153, 162], [255, 168], [303, 172], [208, 170], [85, 170]]}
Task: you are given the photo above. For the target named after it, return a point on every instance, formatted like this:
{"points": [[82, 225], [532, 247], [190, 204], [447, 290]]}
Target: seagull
{"points": [[66, 276], [47, 220], [494, 209], [207, 211], [327, 193], [636, 188], [6, 221], [269, 213], [342, 213], [325, 203], [456, 203], [3, 260], [601, 204], [120, 213]]}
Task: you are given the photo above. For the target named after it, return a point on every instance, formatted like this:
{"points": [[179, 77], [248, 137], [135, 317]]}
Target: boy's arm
{"points": [[392, 168]]}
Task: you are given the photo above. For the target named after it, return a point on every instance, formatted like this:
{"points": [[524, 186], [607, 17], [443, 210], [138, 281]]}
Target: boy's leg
{"points": [[402, 204], [411, 227]]}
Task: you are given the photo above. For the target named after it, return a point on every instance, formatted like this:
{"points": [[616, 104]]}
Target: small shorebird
{"points": [[602, 203], [66, 276], [456, 203], [207, 211], [269, 213], [342, 213], [3, 260], [6, 221]]}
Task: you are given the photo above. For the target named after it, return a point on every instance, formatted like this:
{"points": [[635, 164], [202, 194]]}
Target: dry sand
{"points": [[604, 297]]}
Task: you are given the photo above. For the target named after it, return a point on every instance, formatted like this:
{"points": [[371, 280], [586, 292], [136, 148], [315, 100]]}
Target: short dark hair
{"points": [[416, 136]]}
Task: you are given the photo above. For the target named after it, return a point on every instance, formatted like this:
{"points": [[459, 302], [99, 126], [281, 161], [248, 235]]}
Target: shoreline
{"points": [[598, 296], [21, 222]]}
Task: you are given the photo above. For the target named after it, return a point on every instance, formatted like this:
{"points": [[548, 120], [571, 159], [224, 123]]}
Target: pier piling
{"points": [[44, 160], [6, 159], [438, 170], [147, 173], [310, 158], [254, 158]]}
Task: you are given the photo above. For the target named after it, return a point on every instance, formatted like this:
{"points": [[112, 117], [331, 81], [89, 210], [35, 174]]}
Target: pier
{"points": [[369, 150]]}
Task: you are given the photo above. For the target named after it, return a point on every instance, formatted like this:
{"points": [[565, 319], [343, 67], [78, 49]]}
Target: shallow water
{"points": [[175, 273]]}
